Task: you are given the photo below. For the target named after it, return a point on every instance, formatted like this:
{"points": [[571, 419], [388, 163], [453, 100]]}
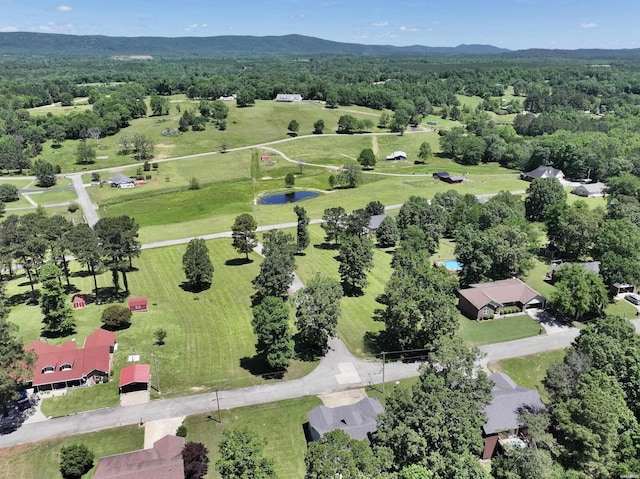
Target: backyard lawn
{"points": [[499, 330]]}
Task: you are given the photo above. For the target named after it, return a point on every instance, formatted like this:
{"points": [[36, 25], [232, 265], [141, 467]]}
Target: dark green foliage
{"points": [[579, 293], [617, 246], [45, 172], [196, 460], [367, 159], [160, 335], [437, 423], [350, 175], [347, 124], [374, 208], [356, 260], [336, 454], [318, 127], [293, 127], [240, 453], [116, 317], [573, 228], [159, 105], [181, 431], [289, 180], [119, 238], [317, 312], [8, 193], [430, 218], [84, 244], [85, 153], [75, 461], [244, 234], [58, 320], [271, 326], [419, 299], [425, 152], [543, 193], [333, 224], [302, 231], [276, 271], [197, 264], [387, 233]]}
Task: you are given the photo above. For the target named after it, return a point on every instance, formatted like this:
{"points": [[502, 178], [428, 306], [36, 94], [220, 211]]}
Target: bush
{"points": [[95, 176], [73, 207], [160, 335], [75, 461], [194, 184], [181, 431], [146, 166], [9, 193], [154, 166], [116, 317]]}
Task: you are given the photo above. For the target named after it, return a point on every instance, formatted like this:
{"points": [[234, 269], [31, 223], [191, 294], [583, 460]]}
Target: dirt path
{"points": [[374, 145]]}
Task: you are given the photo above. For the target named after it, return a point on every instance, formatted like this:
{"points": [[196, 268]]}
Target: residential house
{"points": [[162, 461], [397, 155], [489, 299], [590, 190], [447, 178], [503, 428], [60, 367], [288, 97], [121, 181], [593, 266], [374, 222], [358, 420], [542, 172]]}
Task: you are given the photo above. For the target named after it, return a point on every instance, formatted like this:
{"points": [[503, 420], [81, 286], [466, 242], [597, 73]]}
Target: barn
{"points": [[139, 304]]}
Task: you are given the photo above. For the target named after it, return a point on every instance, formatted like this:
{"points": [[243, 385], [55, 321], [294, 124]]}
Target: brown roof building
{"points": [[162, 461], [488, 299]]}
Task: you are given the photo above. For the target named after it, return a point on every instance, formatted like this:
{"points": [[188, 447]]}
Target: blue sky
{"points": [[514, 24]]}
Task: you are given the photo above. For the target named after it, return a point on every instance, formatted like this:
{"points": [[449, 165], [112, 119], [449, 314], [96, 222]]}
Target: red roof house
{"points": [[58, 367], [162, 461], [135, 378], [138, 304]]}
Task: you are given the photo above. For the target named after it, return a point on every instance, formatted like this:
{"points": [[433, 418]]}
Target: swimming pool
{"points": [[452, 265]]}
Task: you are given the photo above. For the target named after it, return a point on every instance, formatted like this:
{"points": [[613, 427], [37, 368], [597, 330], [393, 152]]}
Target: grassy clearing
{"points": [[280, 423], [52, 197], [479, 333], [212, 327], [41, 459], [528, 371]]}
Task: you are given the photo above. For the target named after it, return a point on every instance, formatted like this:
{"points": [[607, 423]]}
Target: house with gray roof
{"points": [[288, 97], [121, 181], [397, 155], [375, 221], [488, 299], [503, 427], [590, 190], [358, 420], [542, 172], [593, 266]]}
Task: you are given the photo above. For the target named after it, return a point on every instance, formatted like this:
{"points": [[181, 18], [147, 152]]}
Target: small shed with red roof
{"points": [[79, 302], [136, 377], [139, 304]]}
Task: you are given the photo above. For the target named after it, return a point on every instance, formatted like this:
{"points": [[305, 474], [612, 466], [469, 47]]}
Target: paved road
{"points": [[89, 210]]}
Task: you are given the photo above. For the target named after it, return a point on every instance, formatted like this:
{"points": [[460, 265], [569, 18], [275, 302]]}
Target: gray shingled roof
{"points": [[119, 179], [375, 221], [357, 420], [508, 400], [545, 172]]}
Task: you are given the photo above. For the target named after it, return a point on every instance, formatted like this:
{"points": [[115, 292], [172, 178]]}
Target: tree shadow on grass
{"points": [[22, 298], [327, 246], [80, 274], [194, 288], [257, 366], [238, 261]]}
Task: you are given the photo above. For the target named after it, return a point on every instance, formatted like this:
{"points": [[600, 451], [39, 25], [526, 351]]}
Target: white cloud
{"points": [[8, 29], [408, 29], [380, 24], [56, 28], [64, 8], [589, 25], [194, 26]]}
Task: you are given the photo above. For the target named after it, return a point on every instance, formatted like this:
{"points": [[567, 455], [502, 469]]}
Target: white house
{"points": [[288, 97]]}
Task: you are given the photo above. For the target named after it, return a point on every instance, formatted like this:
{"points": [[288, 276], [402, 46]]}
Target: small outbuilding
{"points": [[590, 190], [447, 178], [136, 377], [139, 304], [397, 155], [79, 301]]}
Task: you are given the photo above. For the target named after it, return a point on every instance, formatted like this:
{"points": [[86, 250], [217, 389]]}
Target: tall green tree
{"points": [[367, 159], [317, 312], [29, 245], [302, 229], [119, 238], [579, 293], [276, 271], [542, 193], [293, 127], [617, 246], [356, 260], [428, 217], [16, 364], [84, 244], [387, 233], [241, 456], [333, 224], [437, 422], [45, 172], [318, 127], [271, 326], [243, 233], [58, 320], [573, 228], [350, 175], [75, 461], [425, 152], [197, 264], [85, 153], [159, 105]]}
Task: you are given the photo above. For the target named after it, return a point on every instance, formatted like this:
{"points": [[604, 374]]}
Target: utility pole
{"points": [[218, 406], [384, 357], [155, 364]]}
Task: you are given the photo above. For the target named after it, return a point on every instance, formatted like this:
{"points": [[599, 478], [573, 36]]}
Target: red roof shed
{"points": [[79, 302], [136, 373], [138, 304]]}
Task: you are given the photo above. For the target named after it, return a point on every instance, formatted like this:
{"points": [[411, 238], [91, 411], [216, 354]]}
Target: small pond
{"points": [[284, 198]]}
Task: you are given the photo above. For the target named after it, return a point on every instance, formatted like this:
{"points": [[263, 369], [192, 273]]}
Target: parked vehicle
{"points": [[633, 298]]}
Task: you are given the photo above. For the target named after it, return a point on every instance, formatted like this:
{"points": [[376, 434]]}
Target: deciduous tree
{"points": [[293, 127], [244, 234], [541, 194], [241, 456], [356, 260], [195, 457], [197, 264], [276, 271], [333, 223], [75, 461], [350, 175], [425, 152], [85, 153], [85, 246], [579, 293], [116, 317], [45, 172], [367, 159], [271, 326], [387, 233], [302, 231]]}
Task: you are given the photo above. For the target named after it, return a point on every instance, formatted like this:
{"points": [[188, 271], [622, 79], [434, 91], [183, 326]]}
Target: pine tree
{"points": [[58, 320]]}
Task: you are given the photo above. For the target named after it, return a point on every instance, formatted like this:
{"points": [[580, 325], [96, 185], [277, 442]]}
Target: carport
{"points": [[136, 377]]}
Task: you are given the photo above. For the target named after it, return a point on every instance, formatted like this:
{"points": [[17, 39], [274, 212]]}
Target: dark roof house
{"points": [[162, 461], [508, 401], [119, 179], [447, 178], [58, 367], [488, 299], [375, 221], [542, 172], [358, 420], [593, 266]]}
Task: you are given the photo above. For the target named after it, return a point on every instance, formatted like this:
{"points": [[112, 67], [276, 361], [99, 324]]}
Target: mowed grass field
{"points": [[210, 339]]}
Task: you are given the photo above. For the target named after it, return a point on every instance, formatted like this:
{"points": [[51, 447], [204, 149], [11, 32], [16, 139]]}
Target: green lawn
{"points": [[479, 333], [212, 327], [279, 423], [41, 459], [528, 371]]}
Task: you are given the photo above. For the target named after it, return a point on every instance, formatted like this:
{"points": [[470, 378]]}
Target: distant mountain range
{"points": [[56, 45]]}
